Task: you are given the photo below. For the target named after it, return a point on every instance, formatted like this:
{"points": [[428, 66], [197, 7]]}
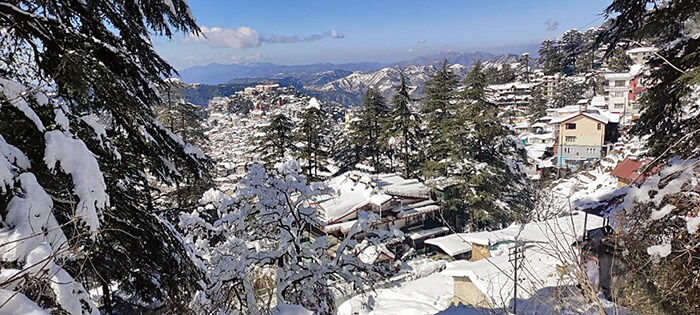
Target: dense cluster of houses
{"points": [[569, 136], [231, 132]]}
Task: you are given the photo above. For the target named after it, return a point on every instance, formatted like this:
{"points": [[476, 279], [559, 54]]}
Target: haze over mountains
{"points": [[216, 73], [340, 83]]}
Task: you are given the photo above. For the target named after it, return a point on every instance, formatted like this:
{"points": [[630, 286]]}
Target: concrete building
{"points": [[641, 55], [510, 94], [617, 90], [549, 85], [579, 137]]}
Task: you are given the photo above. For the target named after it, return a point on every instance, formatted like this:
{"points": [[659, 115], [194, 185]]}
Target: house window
{"points": [[620, 83], [619, 106], [570, 126], [599, 126], [570, 138], [567, 150]]}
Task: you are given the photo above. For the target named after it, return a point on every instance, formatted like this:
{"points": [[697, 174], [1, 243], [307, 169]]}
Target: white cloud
{"points": [[246, 37], [552, 24], [410, 50], [237, 38], [335, 34]]}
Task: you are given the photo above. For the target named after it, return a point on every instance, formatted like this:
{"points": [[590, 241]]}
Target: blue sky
{"points": [[311, 31]]}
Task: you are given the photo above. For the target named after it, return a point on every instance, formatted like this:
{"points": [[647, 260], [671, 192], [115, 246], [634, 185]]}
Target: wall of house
{"points": [[580, 152], [466, 293], [587, 132], [479, 252]]}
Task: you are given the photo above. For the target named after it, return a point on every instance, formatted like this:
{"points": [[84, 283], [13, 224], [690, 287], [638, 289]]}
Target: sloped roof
{"points": [[597, 117], [630, 168]]}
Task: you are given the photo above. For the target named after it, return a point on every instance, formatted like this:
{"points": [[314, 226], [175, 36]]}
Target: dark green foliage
{"points": [[312, 133], [538, 104], [503, 75], [482, 185], [666, 285], [404, 126], [573, 53], [98, 60], [619, 61], [568, 92], [275, 141], [439, 109], [368, 129], [664, 106], [551, 57]]}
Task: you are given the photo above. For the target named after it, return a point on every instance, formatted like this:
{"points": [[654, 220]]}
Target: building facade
{"points": [[579, 138]]}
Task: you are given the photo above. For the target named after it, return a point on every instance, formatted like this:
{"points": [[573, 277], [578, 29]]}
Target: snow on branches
{"points": [[258, 250]]}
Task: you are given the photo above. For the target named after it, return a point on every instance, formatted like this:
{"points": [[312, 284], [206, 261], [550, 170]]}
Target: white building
{"points": [[509, 94], [641, 55], [617, 89]]}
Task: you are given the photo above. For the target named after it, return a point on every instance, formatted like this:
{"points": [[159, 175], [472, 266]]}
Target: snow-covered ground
{"points": [[548, 255]]}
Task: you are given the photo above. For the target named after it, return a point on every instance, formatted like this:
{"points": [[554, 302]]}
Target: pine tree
{"points": [[182, 118], [669, 120], [312, 132], [551, 57], [538, 105], [186, 120], [438, 110], [572, 45], [78, 137], [619, 61], [367, 129], [568, 92], [488, 187], [403, 125], [274, 141]]}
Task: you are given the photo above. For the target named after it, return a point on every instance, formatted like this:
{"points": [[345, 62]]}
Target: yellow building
{"points": [[579, 137]]}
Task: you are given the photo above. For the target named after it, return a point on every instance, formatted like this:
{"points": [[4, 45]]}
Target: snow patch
{"points": [[77, 160], [662, 250], [658, 214], [12, 303], [693, 224]]}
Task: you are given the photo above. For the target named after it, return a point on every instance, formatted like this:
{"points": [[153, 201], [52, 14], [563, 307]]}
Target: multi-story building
{"points": [[579, 137], [641, 55], [549, 85], [510, 94], [617, 89]]}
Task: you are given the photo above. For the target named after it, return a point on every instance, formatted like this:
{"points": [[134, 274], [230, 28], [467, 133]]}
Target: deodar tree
{"points": [[78, 138], [658, 219]]}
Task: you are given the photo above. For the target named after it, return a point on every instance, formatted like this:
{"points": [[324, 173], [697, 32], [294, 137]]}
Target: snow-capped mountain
{"points": [[383, 80], [345, 87]]}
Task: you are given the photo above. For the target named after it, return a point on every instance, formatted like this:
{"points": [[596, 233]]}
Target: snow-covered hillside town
{"points": [[285, 158]]}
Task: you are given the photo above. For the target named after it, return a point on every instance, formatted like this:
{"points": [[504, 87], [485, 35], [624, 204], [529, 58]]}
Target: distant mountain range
{"points": [[340, 83], [219, 73]]}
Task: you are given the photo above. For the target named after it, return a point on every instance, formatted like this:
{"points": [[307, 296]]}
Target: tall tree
{"points": [[572, 45], [439, 108], [619, 61], [312, 132], [79, 135], [403, 125], [367, 129], [669, 121], [551, 57], [538, 104], [487, 186], [568, 92], [274, 140]]}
